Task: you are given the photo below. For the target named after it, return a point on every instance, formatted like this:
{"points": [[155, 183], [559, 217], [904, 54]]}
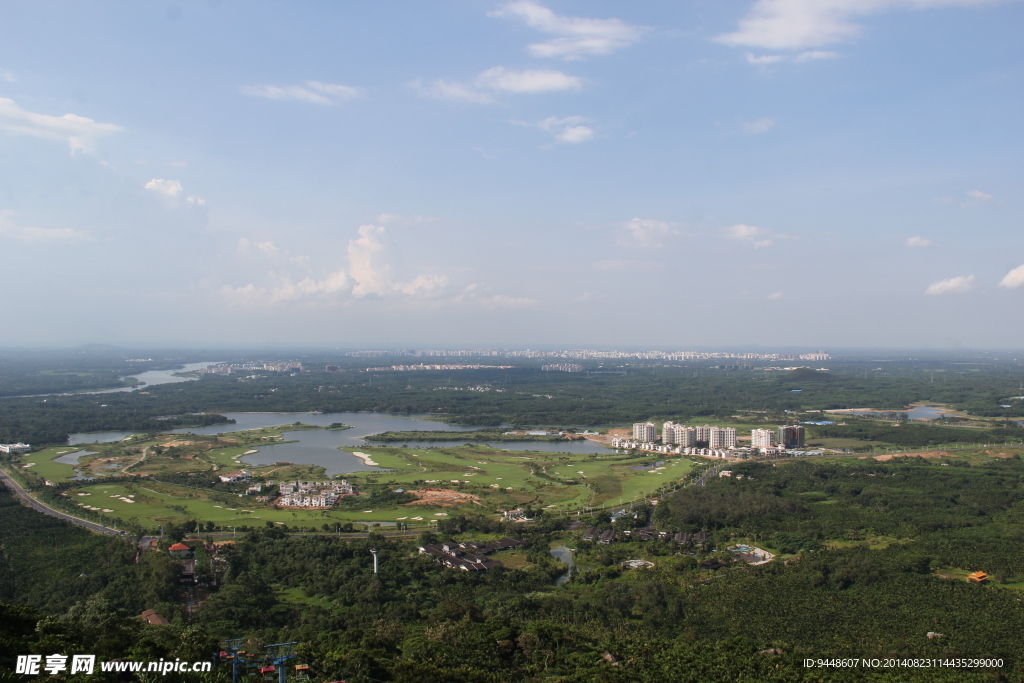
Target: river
{"points": [[564, 555]]}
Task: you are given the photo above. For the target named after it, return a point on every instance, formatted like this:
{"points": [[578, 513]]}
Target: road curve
{"points": [[28, 501]]}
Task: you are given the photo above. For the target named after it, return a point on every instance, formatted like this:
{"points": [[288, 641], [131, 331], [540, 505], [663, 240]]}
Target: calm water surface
{"points": [[324, 447]]}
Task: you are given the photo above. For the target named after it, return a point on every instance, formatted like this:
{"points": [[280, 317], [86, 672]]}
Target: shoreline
{"points": [[366, 458]]}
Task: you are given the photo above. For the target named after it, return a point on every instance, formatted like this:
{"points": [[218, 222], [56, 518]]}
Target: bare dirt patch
{"points": [[997, 454], [443, 497], [925, 454], [178, 442]]}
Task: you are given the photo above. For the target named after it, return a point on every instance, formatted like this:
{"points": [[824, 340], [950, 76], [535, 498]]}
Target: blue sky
{"points": [[827, 173]]}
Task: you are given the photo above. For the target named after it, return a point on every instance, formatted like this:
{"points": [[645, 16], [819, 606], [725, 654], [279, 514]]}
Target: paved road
{"points": [[31, 502]]}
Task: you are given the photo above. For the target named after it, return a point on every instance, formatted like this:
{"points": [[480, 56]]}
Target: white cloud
{"points": [[79, 132], [918, 241], [759, 126], [498, 80], [979, 195], [7, 76], [576, 37], [568, 130], [168, 188], [29, 234], [953, 285], [480, 296], [774, 296], [815, 55], [247, 246], [761, 60], [644, 233], [759, 237], [313, 92], [1013, 279], [809, 56], [171, 189], [802, 24]]}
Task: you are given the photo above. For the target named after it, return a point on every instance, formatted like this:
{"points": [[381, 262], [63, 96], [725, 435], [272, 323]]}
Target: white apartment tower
{"points": [[668, 432], [722, 437], [762, 438], [646, 432]]}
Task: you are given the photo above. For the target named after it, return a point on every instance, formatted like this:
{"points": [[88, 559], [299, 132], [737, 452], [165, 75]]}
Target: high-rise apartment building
{"points": [[645, 431], [668, 432], [762, 438], [703, 433], [722, 437], [791, 436]]}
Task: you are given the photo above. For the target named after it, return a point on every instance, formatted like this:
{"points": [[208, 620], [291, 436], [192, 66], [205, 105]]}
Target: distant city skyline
{"points": [[490, 172]]}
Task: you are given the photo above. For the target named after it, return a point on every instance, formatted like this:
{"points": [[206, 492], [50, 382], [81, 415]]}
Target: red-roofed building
{"points": [[180, 550]]}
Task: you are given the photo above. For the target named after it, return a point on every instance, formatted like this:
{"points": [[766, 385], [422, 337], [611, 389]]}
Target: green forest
{"points": [[526, 396], [870, 559]]}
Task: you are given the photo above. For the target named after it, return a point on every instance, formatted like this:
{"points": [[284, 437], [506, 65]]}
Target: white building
{"points": [[15, 447], [721, 437], [645, 431], [762, 438]]}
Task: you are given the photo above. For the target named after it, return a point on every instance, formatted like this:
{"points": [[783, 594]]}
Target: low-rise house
{"points": [[606, 537], [180, 550], [234, 477], [590, 534], [978, 577], [15, 447]]}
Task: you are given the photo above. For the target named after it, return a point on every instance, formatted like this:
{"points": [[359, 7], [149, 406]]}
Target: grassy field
{"points": [[494, 480]]}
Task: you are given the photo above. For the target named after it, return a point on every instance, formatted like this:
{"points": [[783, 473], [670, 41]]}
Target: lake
{"points": [[326, 447]]}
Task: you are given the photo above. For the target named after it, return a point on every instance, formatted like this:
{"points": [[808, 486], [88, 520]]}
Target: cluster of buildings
{"points": [[469, 556], [422, 366], [590, 354], [713, 442], [644, 534], [229, 368], [563, 367], [312, 494], [15, 447]]}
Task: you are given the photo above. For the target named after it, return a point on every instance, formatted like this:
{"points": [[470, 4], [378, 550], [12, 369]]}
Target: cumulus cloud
{"points": [[953, 285], [1013, 279], [11, 229], [7, 76], [247, 246], [759, 126], [498, 80], [78, 132], [759, 237], [645, 233], [575, 37], [803, 24], [918, 241], [774, 296], [171, 189], [312, 92]]}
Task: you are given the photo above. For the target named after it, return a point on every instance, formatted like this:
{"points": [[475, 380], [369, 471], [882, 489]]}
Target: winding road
{"points": [[27, 500]]}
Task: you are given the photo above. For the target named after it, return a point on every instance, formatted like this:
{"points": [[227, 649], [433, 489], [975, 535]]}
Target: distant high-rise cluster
{"points": [[714, 437], [716, 442]]}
